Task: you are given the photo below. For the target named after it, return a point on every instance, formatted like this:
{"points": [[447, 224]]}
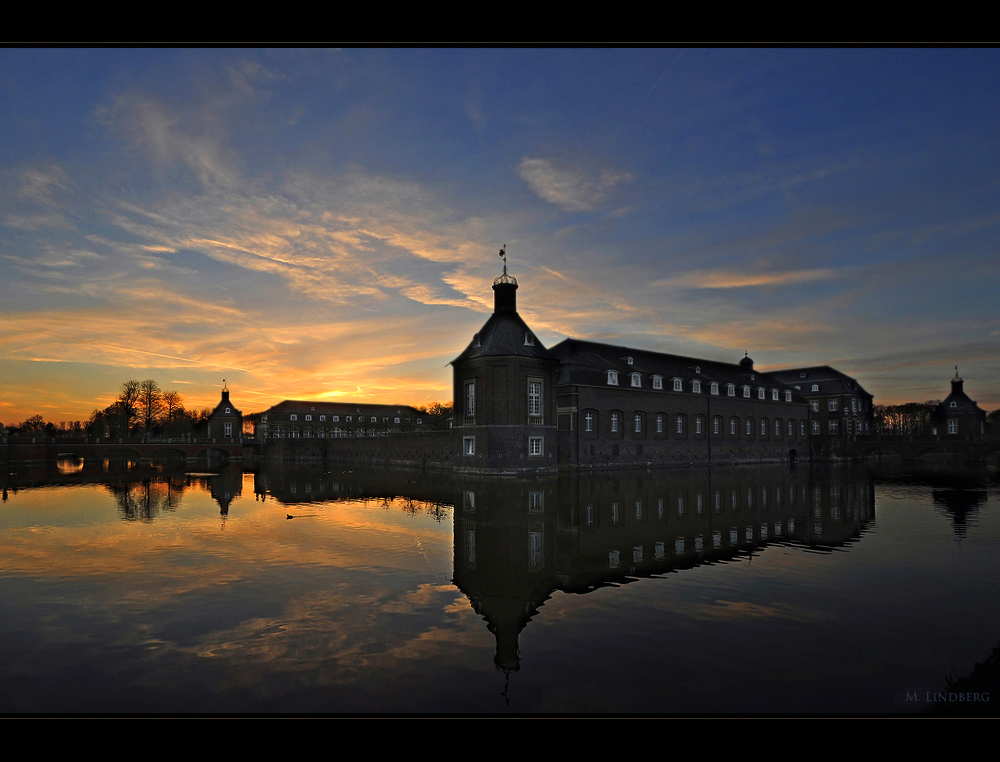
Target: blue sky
{"points": [[324, 223]]}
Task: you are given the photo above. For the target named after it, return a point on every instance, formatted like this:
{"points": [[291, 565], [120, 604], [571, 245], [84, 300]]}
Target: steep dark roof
{"points": [[587, 363], [829, 380], [312, 406], [503, 335]]}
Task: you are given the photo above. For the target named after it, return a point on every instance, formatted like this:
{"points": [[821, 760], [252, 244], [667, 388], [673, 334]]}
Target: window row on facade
{"points": [[618, 423], [696, 386], [296, 432], [535, 446], [347, 418]]}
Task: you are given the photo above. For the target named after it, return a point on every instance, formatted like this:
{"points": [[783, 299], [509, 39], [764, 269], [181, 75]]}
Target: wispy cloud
{"points": [[735, 279], [570, 189]]}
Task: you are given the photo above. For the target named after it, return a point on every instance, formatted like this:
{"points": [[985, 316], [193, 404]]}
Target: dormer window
{"points": [[475, 341], [336, 419], [322, 417], [636, 380], [293, 417], [612, 378], [746, 392], [697, 369], [713, 388], [802, 375], [788, 396], [529, 340], [760, 392], [953, 404], [657, 382], [696, 386], [309, 417], [774, 395], [731, 390], [678, 385], [628, 360], [815, 387], [229, 411]]}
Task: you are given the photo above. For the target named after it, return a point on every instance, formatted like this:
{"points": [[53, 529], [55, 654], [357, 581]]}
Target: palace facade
{"points": [[304, 419], [520, 407]]}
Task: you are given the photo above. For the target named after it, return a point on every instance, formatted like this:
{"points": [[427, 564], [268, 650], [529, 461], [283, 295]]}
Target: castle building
{"points": [[838, 405], [304, 419], [225, 421], [522, 408], [958, 416]]}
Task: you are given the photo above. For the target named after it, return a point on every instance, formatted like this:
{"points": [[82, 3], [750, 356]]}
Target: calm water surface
{"points": [[730, 590]]}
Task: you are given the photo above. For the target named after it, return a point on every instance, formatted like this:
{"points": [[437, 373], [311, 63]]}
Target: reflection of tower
{"points": [[504, 392], [505, 557], [225, 487]]}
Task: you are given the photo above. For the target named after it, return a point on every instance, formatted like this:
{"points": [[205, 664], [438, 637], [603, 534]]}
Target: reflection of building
{"points": [[297, 419], [838, 405], [959, 417], [520, 407], [225, 422]]}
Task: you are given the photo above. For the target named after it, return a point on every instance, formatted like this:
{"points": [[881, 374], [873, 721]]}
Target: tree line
{"points": [[916, 419], [141, 408]]}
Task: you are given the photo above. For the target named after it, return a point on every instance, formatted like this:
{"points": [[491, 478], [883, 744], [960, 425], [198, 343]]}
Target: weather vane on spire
{"points": [[503, 255], [223, 384]]}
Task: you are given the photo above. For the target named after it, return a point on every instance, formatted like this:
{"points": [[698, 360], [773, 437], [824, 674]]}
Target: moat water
{"points": [[338, 590]]}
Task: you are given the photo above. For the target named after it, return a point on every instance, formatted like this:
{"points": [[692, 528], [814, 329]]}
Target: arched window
{"points": [[614, 423], [815, 387], [788, 396], [588, 421], [638, 423], [734, 426], [636, 379], [612, 378], [713, 388], [696, 386], [774, 395], [731, 390], [777, 427], [749, 427], [659, 423], [680, 424], [717, 424], [699, 426], [657, 382], [678, 385], [763, 427], [760, 392]]}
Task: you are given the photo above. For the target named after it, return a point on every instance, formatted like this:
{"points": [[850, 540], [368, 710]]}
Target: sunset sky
{"points": [[324, 224]]}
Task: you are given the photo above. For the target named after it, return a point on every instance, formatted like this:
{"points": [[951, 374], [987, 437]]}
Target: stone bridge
{"points": [[41, 448]]}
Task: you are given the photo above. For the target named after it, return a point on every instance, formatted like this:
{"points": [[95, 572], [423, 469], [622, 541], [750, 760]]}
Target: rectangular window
{"points": [[535, 401], [952, 426], [657, 382], [534, 445], [832, 405], [638, 423], [469, 445], [470, 399], [717, 425], [659, 424], [834, 427], [814, 405], [815, 427], [229, 429], [680, 424], [614, 423], [588, 422], [732, 427], [678, 385], [697, 425]]}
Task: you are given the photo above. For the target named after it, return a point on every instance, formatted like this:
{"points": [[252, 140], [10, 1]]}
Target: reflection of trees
{"points": [[143, 500]]}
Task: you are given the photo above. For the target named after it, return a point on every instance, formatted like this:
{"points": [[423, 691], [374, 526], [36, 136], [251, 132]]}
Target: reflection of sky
{"points": [[187, 600], [324, 223]]}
